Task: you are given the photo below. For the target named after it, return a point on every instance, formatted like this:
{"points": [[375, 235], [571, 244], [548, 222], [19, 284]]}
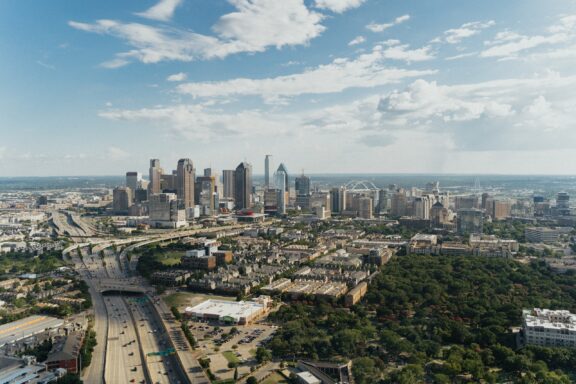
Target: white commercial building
{"points": [[237, 312], [549, 328]]}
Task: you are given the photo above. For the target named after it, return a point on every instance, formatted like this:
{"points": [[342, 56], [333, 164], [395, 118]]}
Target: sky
{"points": [[325, 86]]}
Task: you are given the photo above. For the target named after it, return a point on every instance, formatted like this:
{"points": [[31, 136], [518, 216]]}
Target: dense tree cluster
{"points": [[436, 318]]}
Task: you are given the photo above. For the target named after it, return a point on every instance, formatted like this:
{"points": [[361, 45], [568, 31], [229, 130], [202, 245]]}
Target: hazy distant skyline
{"points": [[329, 86]]}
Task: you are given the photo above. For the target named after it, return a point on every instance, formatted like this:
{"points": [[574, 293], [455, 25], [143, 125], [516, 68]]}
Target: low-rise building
{"points": [[356, 294], [549, 328], [65, 353]]}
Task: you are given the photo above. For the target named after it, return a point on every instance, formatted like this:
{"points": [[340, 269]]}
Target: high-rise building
{"points": [[422, 207], [470, 220], [466, 202], [302, 185], [185, 182], [205, 192], [267, 171], [398, 203], [164, 211], [365, 208], [133, 181], [282, 169], [281, 189], [338, 199], [169, 183], [155, 174], [228, 183], [382, 201], [243, 186], [563, 204], [121, 199]]}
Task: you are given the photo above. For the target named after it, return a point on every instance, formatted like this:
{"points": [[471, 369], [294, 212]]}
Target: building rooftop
{"points": [[550, 319], [223, 308]]}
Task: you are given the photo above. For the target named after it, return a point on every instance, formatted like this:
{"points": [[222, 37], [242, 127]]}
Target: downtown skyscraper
{"points": [[185, 178], [243, 186]]}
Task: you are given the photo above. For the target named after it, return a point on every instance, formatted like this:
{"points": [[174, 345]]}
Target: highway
{"points": [[125, 326], [123, 357], [128, 329]]}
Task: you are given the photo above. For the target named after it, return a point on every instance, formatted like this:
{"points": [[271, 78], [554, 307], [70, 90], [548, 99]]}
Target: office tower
{"points": [[439, 215], [243, 186], [382, 201], [282, 169], [470, 220], [155, 174], [185, 182], [121, 199], [207, 172], [338, 200], [140, 195], [398, 203], [205, 189], [228, 183], [365, 208], [422, 207], [563, 204], [169, 183], [133, 180], [302, 185], [164, 211], [271, 197], [501, 209], [281, 189], [466, 202], [485, 197], [267, 171]]}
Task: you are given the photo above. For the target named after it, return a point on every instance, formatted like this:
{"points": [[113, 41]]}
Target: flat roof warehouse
{"points": [[241, 312]]}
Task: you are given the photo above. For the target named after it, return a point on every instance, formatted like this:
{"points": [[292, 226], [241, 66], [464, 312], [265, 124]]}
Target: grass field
{"points": [[231, 357], [181, 299], [170, 257], [274, 378]]}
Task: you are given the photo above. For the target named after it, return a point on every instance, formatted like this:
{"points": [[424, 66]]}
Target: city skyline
{"points": [[348, 86]]}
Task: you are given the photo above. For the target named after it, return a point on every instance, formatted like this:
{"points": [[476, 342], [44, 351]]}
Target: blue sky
{"points": [[99, 87]]}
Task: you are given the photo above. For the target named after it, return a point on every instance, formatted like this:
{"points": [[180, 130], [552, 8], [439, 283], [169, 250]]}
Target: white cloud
{"points": [[510, 45], [456, 35], [2, 152], [403, 52], [201, 123], [508, 114], [116, 153], [181, 76], [257, 25], [162, 11], [374, 27], [365, 71], [357, 40], [338, 6], [43, 64]]}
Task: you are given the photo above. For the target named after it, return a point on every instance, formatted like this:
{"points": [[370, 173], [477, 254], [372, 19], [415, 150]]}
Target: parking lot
{"points": [[223, 344]]}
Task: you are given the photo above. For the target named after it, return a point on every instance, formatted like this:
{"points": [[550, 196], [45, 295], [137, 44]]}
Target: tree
{"points": [[251, 380], [365, 370], [263, 355], [236, 373]]}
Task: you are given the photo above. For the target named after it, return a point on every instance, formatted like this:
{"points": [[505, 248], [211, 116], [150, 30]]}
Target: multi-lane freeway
{"points": [[138, 339], [132, 346]]}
